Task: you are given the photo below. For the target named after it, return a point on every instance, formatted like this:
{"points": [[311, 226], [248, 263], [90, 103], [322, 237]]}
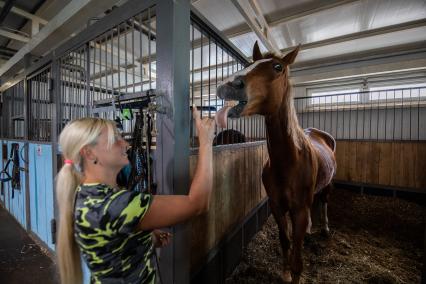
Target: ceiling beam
{"points": [[282, 16], [256, 21], [25, 14], [360, 35], [68, 18], [14, 36]]}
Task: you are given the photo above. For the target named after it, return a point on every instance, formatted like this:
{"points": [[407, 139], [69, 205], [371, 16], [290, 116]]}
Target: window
{"points": [[401, 92], [335, 97]]}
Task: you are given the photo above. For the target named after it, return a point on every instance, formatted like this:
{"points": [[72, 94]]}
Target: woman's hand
{"points": [[161, 238], [168, 210], [205, 127]]}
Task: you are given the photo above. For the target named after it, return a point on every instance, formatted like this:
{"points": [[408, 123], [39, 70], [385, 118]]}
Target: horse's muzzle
{"points": [[228, 92]]}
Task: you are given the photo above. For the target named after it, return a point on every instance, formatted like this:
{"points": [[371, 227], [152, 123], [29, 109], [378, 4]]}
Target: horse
{"points": [[301, 162]]}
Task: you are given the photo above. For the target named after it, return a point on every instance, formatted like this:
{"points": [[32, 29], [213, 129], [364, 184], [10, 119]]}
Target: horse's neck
{"points": [[284, 135]]}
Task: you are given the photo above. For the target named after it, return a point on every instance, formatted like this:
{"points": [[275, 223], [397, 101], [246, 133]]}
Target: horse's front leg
{"points": [[300, 221], [280, 218]]}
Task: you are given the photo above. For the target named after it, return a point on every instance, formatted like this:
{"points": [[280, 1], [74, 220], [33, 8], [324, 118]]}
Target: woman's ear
{"points": [[87, 153], [257, 55]]}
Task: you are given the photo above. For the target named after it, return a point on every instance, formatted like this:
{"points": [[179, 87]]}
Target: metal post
{"points": [[27, 105], [172, 155], [56, 121]]}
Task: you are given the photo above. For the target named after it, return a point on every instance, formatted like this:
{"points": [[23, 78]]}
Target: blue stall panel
{"points": [[41, 191], [16, 205]]}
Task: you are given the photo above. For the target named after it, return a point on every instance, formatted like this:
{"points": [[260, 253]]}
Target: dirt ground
{"points": [[22, 261], [373, 240]]}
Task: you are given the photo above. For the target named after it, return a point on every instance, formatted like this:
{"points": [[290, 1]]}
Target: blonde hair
{"points": [[73, 138]]}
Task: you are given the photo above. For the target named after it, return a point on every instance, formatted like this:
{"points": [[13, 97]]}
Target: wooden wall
{"points": [[399, 164], [237, 189]]}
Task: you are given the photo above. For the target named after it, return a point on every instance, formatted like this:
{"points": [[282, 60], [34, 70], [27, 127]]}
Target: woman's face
{"points": [[114, 157]]}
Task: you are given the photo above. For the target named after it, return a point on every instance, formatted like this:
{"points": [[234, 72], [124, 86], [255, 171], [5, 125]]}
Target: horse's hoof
{"points": [[325, 233], [286, 276]]}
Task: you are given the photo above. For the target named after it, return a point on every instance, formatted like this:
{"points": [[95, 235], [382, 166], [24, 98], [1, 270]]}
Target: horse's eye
{"points": [[278, 67]]}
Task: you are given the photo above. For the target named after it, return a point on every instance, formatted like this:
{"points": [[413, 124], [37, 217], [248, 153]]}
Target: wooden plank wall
{"points": [[399, 164], [237, 189]]}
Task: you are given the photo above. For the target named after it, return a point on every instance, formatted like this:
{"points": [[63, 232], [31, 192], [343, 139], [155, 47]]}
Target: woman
{"points": [[110, 226]]}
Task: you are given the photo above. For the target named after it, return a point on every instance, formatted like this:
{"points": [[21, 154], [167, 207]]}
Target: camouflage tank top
{"points": [[105, 230]]}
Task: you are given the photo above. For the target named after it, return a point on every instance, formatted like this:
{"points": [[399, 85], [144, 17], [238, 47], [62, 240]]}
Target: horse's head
{"points": [[260, 88]]}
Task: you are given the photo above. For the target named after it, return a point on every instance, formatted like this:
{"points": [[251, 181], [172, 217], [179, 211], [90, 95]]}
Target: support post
{"points": [[55, 95], [27, 105], [172, 155]]}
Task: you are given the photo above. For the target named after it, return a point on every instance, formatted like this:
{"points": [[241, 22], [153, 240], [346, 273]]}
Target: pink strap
{"points": [[68, 162]]}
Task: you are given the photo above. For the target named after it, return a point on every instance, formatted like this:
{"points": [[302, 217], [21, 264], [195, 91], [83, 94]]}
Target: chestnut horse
{"points": [[301, 162]]}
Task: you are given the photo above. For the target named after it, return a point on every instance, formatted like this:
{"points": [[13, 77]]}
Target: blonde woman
{"points": [[109, 226]]}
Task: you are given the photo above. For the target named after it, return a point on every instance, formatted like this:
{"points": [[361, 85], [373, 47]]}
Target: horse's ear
{"points": [[291, 56], [257, 55]]}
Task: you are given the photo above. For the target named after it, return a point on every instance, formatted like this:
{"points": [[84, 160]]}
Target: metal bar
{"points": [[26, 105], [149, 47], [141, 51], [125, 55], [402, 115], [410, 112], [209, 74], [218, 36], [418, 118], [133, 54], [192, 133], [117, 16], [386, 113], [201, 78], [173, 21]]}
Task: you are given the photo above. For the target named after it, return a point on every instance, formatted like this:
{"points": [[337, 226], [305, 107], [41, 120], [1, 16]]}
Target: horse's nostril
{"points": [[238, 83]]}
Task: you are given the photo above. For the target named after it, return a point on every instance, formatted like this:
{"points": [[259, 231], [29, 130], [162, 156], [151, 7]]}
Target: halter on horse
{"points": [[301, 162]]}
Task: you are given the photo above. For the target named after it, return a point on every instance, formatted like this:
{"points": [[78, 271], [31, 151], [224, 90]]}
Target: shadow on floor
{"points": [[21, 259]]}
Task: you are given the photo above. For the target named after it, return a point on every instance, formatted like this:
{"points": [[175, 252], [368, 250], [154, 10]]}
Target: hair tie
{"points": [[68, 162]]}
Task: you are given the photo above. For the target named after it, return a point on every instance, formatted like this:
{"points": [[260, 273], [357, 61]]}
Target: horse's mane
{"points": [[294, 130]]}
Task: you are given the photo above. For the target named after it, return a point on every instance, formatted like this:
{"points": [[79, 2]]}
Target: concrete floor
{"points": [[21, 259]]}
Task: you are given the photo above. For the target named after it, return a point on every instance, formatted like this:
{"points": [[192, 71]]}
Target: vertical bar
{"points": [[215, 75], [118, 60], [126, 84], [209, 74], [386, 114], [363, 117], [378, 119], [402, 114], [55, 120], [418, 116], [394, 120], [411, 104], [149, 47], [371, 118], [350, 115], [201, 73], [173, 21], [191, 123], [26, 100], [133, 54]]}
